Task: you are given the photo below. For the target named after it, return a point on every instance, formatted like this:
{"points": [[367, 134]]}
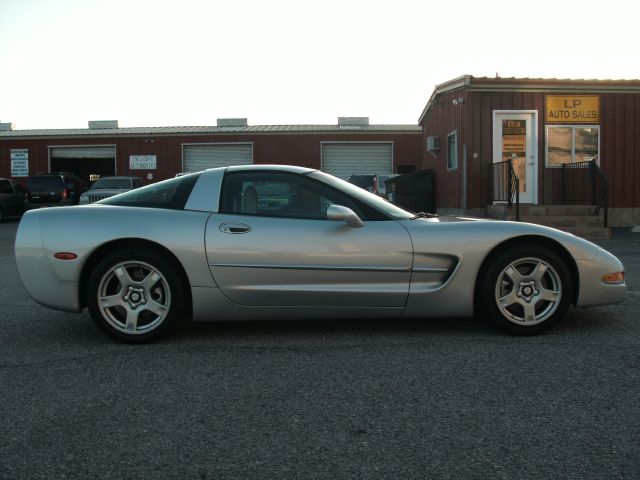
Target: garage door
{"points": [[83, 152], [88, 162], [201, 157], [345, 159]]}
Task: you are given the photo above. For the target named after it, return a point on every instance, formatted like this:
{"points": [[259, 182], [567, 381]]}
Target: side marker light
{"points": [[614, 278], [65, 256]]}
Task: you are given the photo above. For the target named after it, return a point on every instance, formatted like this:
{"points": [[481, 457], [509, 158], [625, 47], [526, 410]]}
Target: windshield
{"points": [[115, 183], [364, 196]]}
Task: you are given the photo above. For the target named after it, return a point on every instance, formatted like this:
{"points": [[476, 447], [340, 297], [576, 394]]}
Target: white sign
{"points": [[142, 162], [19, 162]]}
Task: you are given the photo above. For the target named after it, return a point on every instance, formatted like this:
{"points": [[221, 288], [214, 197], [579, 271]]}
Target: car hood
{"points": [[459, 234]]}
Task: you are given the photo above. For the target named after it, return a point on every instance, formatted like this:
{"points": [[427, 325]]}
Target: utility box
{"points": [[413, 191]]}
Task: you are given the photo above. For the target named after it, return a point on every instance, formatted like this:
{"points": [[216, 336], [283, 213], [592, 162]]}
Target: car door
{"points": [[272, 245]]}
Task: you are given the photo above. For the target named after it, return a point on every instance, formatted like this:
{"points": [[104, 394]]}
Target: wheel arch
{"points": [[128, 243], [553, 245]]}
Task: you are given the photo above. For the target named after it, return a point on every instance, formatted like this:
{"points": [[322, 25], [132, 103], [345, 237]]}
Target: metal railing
{"points": [[505, 185], [584, 183]]}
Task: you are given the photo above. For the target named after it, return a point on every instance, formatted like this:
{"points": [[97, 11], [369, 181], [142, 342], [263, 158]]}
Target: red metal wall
{"points": [[619, 145], [294, 149]]}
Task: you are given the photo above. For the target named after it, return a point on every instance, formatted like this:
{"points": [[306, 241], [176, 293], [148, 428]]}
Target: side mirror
{"points": [[343, 214]]}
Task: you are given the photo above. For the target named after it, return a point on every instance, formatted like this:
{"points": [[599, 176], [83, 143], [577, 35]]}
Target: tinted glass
{"points": [[5, 186], [45, 184], [172, 194]]}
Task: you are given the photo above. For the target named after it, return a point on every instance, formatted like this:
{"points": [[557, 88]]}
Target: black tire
{"points": [[134, 296], [525, 290]]}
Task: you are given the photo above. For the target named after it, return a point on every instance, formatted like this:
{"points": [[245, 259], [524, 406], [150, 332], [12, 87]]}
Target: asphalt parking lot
{"points": [[357, 399]]}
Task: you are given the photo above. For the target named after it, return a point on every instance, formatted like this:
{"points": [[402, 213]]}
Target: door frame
{"points": [[533, 115]]}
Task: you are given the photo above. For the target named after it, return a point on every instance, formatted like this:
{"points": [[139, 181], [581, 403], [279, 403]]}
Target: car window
{"points": [[280, 194], [45, 183], [288, 195], [5, 186], [361, 195], [172, 194], [19, 189]]}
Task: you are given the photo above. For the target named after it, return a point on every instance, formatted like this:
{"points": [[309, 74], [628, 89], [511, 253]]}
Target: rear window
{"points": [[171, 194], [45, 183]]}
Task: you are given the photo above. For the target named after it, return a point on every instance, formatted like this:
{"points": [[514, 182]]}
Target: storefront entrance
{"points": [[515, 134]]}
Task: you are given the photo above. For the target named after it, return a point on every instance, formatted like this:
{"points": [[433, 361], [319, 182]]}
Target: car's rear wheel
{"points": [[525, 289], [134, 296]]}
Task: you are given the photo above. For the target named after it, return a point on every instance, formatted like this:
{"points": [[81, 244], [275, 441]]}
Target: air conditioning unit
{"points": [[433, 144]]}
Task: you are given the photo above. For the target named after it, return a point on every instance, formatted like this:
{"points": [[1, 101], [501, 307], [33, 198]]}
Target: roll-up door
{"points": [[87, 161], [83, 152], [346, 159], [201, 157]]}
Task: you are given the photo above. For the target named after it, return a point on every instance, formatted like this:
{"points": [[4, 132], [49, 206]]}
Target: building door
{"points": [[515, 136], [199, 157], [348, 158]]}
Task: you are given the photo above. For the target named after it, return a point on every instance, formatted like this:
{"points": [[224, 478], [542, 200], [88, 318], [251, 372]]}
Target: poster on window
{"points": [[514, 148], [514, 139], [19, 162]]}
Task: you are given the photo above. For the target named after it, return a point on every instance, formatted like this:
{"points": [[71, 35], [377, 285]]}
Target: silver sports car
{"points": [[281, 242]]}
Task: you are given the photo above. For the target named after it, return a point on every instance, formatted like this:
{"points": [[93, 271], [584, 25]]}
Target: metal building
{"points": [[568, 143], [155, 153]]}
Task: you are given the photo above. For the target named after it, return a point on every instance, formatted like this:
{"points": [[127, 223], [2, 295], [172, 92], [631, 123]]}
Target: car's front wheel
{"points": [[134, 296], [525, 289]]}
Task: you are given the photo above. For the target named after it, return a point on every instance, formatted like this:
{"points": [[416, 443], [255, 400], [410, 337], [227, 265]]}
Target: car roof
{"points": [[278, 168]]}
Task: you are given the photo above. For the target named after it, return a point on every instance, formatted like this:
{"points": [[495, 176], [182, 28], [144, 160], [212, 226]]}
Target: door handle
{"points": [[234, 228]]}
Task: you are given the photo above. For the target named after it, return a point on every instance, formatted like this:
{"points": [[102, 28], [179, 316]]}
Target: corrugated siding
{"points": [[201, 157], [288, 149], [346, 159], [619, 145]]}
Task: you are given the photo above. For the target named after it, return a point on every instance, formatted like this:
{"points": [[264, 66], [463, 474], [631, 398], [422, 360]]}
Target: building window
{"points": [[572, 144], [452, 151]]}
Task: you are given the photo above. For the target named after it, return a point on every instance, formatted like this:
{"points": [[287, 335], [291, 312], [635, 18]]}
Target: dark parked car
{"points": [[54, 189], [108, 187], [12, 199]]}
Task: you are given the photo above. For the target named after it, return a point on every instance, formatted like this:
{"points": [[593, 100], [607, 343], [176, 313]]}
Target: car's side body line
{"points": [[314, 267]]}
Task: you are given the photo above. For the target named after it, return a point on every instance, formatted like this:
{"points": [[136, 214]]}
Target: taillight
{"points": [[375, 184], [65, 194]]}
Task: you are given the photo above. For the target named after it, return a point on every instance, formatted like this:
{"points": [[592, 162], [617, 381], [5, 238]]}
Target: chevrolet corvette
{"points": [[283, 242]]}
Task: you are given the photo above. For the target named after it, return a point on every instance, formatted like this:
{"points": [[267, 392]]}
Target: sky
{"points": [[274, 62]]}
